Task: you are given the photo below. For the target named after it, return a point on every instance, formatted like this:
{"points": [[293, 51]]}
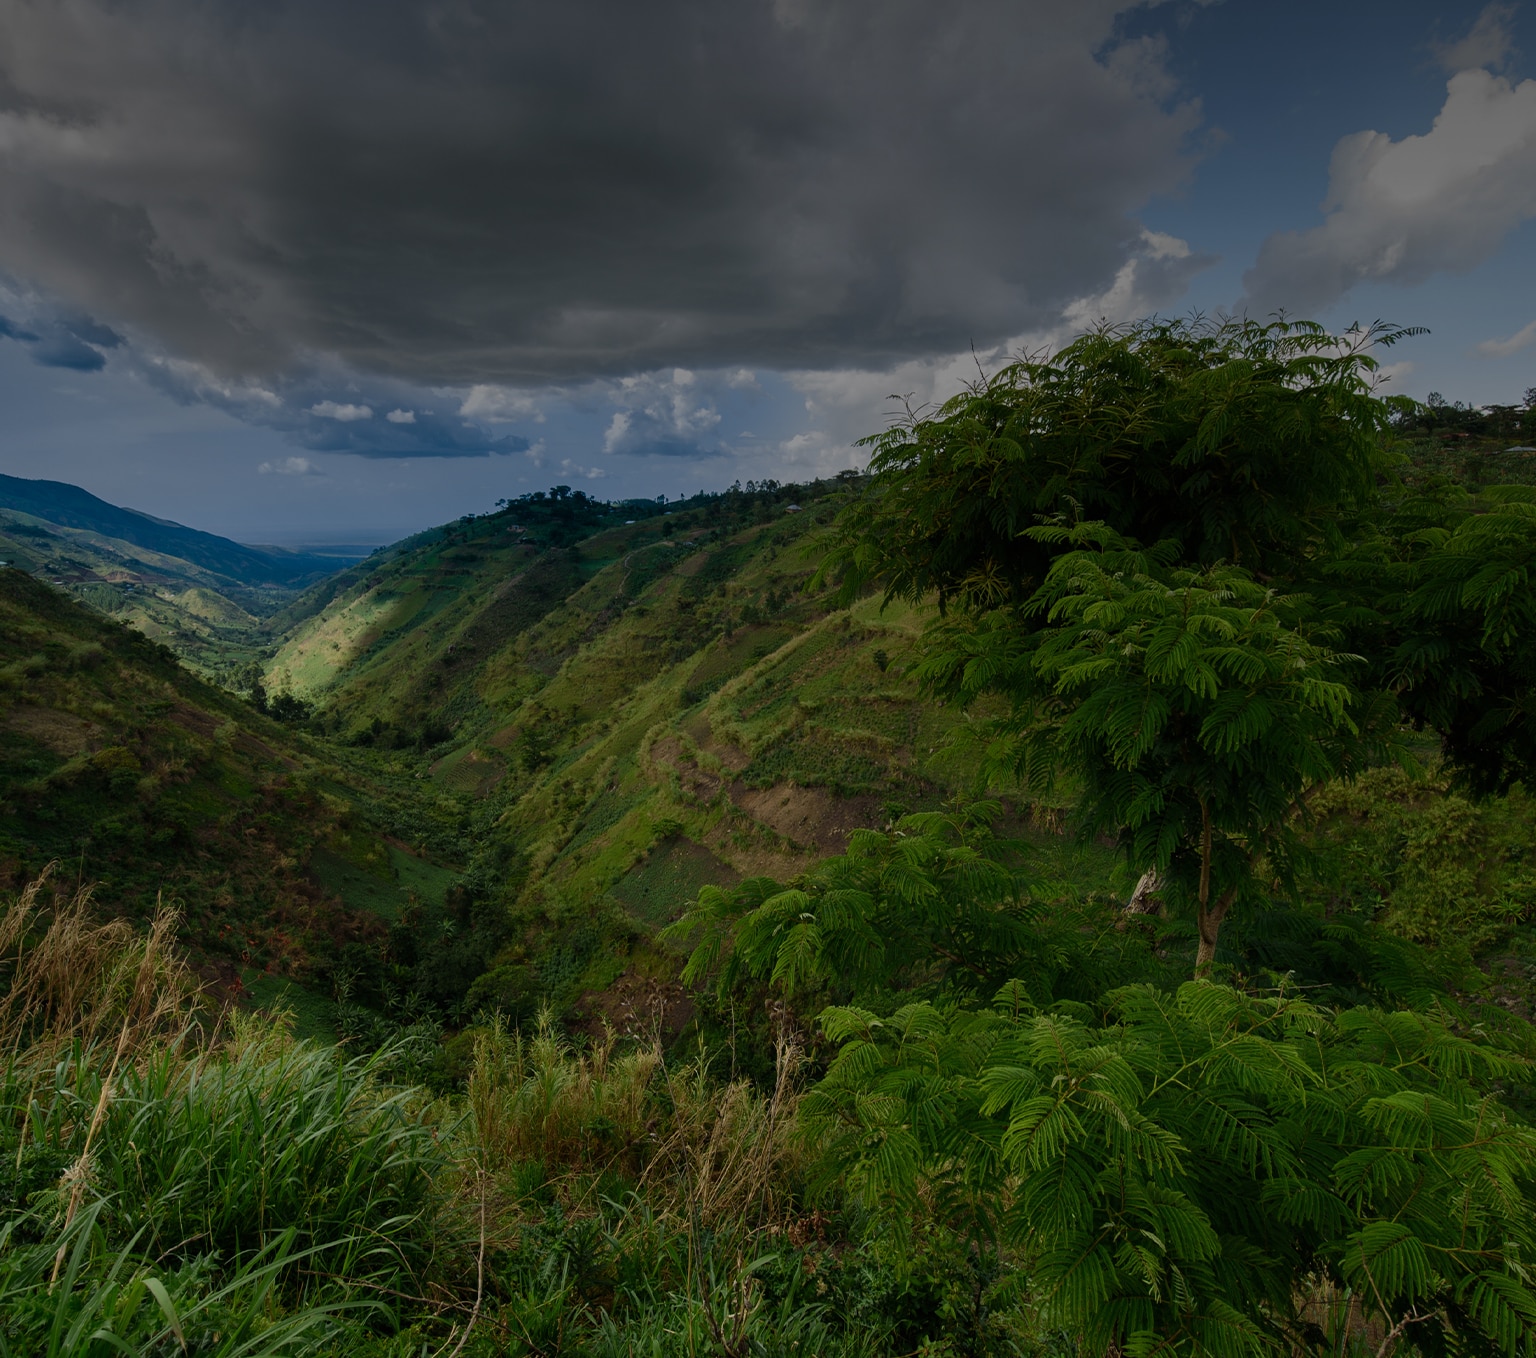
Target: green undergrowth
{"points": [[384, 888], [1425, 859], [656, 890], [169, 1184], [293, 1202], [313, 1015], [852, 1156]]}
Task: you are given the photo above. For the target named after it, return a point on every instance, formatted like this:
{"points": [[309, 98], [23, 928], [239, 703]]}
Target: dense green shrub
{"points": [[1195, 1170], [1438, 866], [1191, 1172]]}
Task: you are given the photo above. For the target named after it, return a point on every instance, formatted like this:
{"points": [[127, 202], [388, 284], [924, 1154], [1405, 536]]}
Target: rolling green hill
{"points": [[538, 732], [68, 506], [535, 734]]}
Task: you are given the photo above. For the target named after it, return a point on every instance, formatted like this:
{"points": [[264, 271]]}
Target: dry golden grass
{"points": [[728, 1153], [67, 978], [703, 1153], [704, 1157]]}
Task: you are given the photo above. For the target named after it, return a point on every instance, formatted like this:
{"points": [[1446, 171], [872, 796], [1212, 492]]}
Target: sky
{"points": [[333, 271]]}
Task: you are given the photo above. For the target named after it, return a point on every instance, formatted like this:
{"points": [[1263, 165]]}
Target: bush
{"points": [[1436, 866], [1201, 1171]]}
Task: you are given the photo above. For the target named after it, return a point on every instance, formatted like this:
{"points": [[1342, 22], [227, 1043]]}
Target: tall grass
{"points": [[617, 1191], [220, 1153], [159, 1180], [172, 1182], [111, 1303], [67, 979]]}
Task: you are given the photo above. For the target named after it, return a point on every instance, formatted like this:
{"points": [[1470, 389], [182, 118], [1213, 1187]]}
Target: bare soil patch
{"points": [[62, 732], [810, 816], [640, 1007], [697, 782], [199, 723]]}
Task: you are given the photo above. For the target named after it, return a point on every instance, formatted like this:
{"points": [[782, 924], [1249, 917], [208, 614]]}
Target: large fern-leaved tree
{"points": [[1193, 690], [1195, 706]]}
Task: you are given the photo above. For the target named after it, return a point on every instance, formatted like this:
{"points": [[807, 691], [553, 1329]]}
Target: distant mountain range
{"points": [[71, 507], [202, 595]]}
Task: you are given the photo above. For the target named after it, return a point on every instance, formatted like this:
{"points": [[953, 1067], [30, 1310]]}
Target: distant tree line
{"points": [[1452, 418]]}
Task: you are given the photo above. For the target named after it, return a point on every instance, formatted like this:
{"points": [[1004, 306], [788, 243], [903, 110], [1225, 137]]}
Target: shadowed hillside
{"points": [[124, 769], [71, 507]]}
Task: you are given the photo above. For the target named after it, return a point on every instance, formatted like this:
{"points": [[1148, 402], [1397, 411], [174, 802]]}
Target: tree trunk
{"points": [[1147, 898], [1210, 916], [1205, 954], [1210, 929]]}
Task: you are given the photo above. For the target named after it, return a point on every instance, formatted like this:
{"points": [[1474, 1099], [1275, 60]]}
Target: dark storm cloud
{"points": [[497, 191], [72, 342], [377, 438]]}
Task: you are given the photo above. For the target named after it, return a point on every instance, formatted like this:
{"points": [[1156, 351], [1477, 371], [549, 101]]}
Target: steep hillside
{"points": [[124, 769], [537, 733], [606, 716], [625, 717], [203, 596]]}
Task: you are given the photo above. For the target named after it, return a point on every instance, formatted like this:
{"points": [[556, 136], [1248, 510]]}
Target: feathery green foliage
{"points": [[1460, 615], [1202, 688], [1196, 706], [1243, 441], [935, 903], [1179, 1173], [1204, 1170]]}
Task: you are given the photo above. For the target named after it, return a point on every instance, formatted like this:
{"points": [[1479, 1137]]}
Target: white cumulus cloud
{"points": [[290, 466], [335, 410], [1156, 275], [1392, 372], [1488, 42], [500, 405], [1401, 211], [401, 417], [1503, 348], [668, 412]]}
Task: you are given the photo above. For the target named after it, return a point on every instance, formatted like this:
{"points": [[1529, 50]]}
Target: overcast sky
{"points": [[335, 271]]}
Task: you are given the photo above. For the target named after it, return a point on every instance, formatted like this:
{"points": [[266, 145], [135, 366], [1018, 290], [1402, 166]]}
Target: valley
{"points": [[204, 596], [546, 726], [544, 729], [645, 920]]}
